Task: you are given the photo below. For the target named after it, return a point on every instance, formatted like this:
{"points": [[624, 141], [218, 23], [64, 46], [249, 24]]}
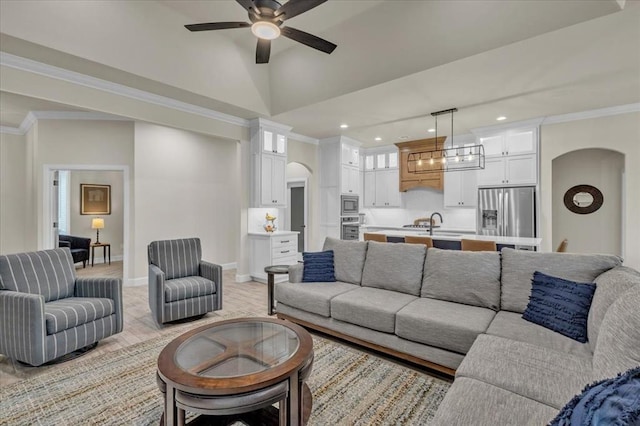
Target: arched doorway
{"points": [[599, 231], [297, 212]]}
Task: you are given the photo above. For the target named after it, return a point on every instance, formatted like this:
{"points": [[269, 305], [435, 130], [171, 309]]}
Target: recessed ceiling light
{"points": [[344, 126], [404, 137], [502, 117], [431, 130], [378, 138]]}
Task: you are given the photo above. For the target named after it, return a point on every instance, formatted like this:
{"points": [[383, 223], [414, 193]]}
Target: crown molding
{"points": [[28, 65], [264, 122], [303, 138], [11, 130], [516, 125], [594, 113]]}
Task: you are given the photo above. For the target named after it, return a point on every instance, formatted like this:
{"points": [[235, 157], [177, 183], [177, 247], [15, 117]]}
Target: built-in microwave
{"points": [[349, 205]]}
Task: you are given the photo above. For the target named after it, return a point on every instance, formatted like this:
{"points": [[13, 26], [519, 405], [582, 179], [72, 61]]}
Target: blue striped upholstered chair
{"points": [[181, 284], [46, 312]]}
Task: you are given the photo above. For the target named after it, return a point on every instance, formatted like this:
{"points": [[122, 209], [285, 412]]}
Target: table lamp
{"points": [[97, 223]]}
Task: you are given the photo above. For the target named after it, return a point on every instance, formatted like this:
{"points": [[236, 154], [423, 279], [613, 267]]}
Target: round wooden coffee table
{"points": [[236, 370]]}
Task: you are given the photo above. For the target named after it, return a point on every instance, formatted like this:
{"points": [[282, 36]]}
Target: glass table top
{"points": [[237, 349]]}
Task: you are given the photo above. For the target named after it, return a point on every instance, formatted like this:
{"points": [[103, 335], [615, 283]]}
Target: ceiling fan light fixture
{"points": [[265, 30]]}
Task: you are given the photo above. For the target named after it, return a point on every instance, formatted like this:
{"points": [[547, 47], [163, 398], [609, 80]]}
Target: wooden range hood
{"points": [[409, 180]]}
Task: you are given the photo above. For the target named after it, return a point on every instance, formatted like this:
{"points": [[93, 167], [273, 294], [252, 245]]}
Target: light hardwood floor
{"points": [[249, 297]]}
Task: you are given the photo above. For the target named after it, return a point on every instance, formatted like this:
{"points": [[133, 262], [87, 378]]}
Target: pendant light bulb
{"points": [[431, 161], [420, 162]]}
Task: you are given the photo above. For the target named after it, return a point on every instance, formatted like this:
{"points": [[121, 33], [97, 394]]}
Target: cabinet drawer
{"points": [[286, 259], [284, 241], [284, 251]]}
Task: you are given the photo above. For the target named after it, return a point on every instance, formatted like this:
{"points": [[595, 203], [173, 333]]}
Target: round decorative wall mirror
{"points": [[583, 199]]}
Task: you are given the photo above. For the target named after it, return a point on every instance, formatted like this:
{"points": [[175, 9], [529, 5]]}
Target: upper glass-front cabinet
{"points": [[274, 142], [383, 160]]}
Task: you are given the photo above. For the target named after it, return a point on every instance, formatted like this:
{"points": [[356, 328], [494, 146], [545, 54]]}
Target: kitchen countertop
{"points": [[367, 228], [451, 235], [274, 233]]}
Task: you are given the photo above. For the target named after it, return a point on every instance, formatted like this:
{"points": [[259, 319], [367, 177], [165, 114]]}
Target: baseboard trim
{"points": [[232, 265], [97, 260], [243, 278]]}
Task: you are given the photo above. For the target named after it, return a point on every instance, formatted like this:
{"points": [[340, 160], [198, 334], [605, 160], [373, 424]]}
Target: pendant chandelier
{"points": [[445, 158]]}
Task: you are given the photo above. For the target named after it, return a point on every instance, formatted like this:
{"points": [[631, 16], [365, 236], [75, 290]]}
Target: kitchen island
{"points": [[450, 238]]}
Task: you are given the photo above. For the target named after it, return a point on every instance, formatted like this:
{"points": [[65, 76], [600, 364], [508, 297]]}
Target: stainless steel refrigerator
{"points": [[507, 212]]}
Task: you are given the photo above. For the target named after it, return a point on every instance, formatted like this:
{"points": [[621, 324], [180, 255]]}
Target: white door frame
{"points": [[46, 236], [299, 182]]}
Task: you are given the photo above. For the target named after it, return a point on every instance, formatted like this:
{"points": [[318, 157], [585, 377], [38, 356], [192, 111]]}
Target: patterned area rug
{"points": [[349, 387]]}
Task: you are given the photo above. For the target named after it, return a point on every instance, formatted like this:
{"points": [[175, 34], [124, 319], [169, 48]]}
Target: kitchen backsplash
{"points": [[421, 203]]}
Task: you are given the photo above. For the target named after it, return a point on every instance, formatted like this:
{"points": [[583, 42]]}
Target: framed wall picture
{"points": [[95, 199]]}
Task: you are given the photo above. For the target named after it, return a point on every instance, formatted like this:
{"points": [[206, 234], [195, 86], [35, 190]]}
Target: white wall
{"points": [[13, 188], [80, 225], [186, 185], [620, 133], [604, 170]]}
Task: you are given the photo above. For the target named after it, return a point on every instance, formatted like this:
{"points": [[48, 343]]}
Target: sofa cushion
{"points": [[560, 305], [370, 307], [618, 345], [318, 267], [396, 267], [311, 297], [49, 273], [348, 258], [512, 326], [472, 402], [443, 324], [518, 267], [609, 286], [538, 373], [176, 258], [468, 277], [71, 312], [188, 287]]}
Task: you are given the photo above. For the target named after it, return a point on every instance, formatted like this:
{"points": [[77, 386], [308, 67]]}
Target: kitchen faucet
{"points": [[431, 222]]}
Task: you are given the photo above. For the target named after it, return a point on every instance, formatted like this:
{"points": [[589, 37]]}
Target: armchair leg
{"points": [[84, 263]]}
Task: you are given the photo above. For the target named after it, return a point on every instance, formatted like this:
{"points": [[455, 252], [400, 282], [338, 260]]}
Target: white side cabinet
{"points": [[277, 248], [269, 154], [350, 180], [460, 189]]}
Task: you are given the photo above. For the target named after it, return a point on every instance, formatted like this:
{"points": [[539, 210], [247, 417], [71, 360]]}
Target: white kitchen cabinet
{"points": [[273, 181], [387, 160], [274, 142], [350, 155], [278, 248], [381, 188], [509, 170], [510, 143], [350, 180], [460, 188], [269, 162], [369, 162]]}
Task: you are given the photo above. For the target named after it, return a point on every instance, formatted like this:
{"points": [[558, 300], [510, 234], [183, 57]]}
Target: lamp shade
{"points": [[97, 223]]}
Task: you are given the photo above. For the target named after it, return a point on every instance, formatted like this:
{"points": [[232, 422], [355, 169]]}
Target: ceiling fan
{"points": [[267, 17]]}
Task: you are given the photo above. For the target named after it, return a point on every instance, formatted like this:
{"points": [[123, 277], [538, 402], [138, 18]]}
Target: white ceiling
{"points": [[396, 61]]}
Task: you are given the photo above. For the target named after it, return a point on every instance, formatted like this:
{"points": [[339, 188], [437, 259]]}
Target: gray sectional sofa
{"points": [[461, 313]]}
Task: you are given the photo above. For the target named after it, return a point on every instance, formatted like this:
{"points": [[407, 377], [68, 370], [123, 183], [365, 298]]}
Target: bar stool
{"points": [[410, 239], [375, 237], [478, 245]]}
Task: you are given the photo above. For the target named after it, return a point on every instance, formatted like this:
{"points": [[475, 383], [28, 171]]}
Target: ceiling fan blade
{"points": [[263, 51], [308, 39], [249, 6], [216, 26], [296, 7]]}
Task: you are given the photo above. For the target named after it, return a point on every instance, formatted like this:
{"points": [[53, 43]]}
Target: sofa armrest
{"points": [[109, 288], [22, 326], [213, 272], [295, 273], [63, 243], [156, 292]]}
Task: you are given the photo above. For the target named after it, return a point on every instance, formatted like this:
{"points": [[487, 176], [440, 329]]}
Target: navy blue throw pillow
{"points": [[613, 401], [560, 305], [318, 267]]}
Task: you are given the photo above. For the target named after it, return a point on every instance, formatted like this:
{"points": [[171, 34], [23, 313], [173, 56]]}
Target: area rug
{"points": [[349, 387]]}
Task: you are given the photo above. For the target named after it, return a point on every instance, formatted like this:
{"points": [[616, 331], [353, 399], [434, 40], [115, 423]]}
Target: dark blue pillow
{"points": [[560, 305], [318, 267], [608, 402]]}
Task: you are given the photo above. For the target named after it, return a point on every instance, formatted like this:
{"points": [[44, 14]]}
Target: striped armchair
{"points": [[181, 284], [46, 312]]}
